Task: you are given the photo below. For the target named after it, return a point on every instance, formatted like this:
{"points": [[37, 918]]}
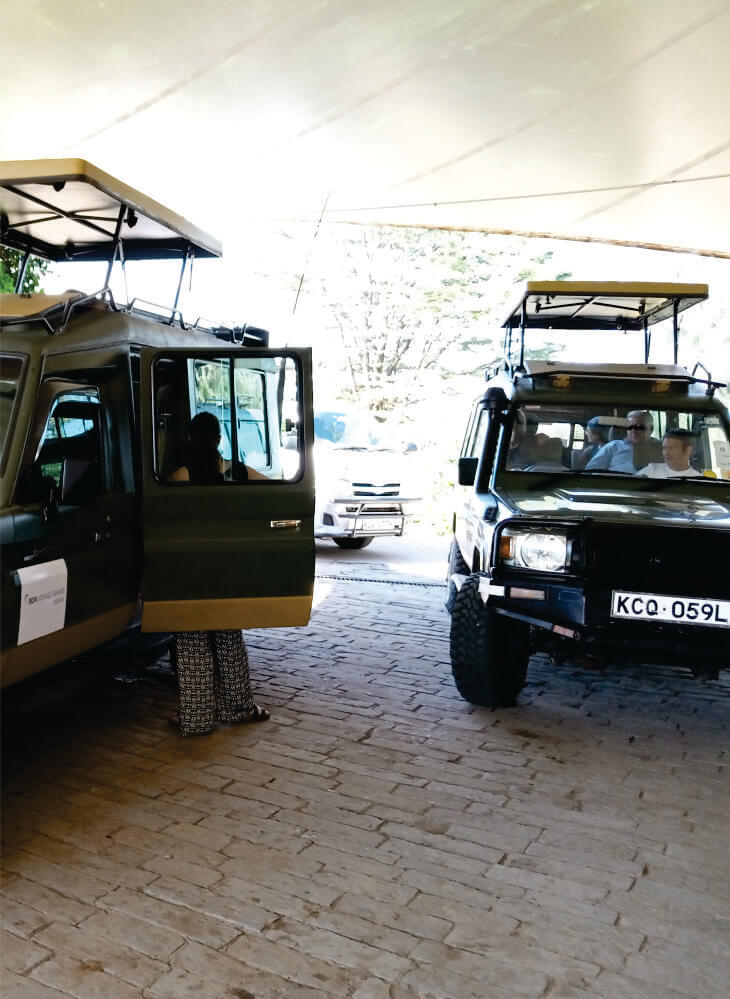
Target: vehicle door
{"points": [[235, 551], [75, 553], [469, 511]]}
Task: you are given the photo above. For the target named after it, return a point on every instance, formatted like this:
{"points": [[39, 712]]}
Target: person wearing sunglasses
{"points": [[618, 456]]}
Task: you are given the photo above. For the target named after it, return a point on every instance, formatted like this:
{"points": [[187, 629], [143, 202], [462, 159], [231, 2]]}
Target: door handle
{"points": [[279, 524], [36, 553]]}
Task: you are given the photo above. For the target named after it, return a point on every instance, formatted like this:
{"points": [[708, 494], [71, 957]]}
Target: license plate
{"points": [[679, 610], [379, 524]]}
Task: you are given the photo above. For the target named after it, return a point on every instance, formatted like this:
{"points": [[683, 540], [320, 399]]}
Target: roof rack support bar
{"points": [[20, 277], [676, 329], [115, 244], [647, 341], [186, 256], [523, 323]]}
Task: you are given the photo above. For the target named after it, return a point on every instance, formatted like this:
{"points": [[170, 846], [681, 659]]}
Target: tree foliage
{"points": [[10, 261], [409, 307]]}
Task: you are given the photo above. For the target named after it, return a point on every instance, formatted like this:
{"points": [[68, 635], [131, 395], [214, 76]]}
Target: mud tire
{"points": [[489, 652], [457, 563]]}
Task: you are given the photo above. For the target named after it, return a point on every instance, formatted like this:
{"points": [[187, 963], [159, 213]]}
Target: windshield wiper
{"points": [[607, 471]]}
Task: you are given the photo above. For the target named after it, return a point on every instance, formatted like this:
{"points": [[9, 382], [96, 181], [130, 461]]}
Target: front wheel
{"points": [[489, 652], [352, 542]]}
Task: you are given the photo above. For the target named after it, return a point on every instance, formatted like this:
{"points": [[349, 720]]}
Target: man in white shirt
{"points": [[677, 448]]}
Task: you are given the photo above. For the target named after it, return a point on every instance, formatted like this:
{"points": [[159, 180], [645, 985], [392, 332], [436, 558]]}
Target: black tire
{"points": [[457, 563], [352, 542], [489, 652]]}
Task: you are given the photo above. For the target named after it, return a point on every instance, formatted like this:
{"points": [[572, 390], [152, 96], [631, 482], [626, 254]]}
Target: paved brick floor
{"points": [[379, 838]]}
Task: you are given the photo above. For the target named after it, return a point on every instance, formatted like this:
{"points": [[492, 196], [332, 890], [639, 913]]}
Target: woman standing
{"points": [[212, 666]]}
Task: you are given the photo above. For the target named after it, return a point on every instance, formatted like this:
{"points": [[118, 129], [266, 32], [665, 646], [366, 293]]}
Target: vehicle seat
{"points": [[541, 449], [171, 434], [646, 452]]}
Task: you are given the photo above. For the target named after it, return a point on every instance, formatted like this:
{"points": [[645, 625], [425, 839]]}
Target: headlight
{"points": [[541, 551]]}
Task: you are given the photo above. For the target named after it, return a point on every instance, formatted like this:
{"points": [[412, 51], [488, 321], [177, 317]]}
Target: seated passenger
{"points": [[677, 448], [596, 436], [202, 462], [618, 456]]}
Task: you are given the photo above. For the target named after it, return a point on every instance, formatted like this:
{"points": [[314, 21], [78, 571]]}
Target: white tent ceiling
{"points": [[599, 119]]}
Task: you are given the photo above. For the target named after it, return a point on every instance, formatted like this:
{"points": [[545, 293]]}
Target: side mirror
{"points": [[38, 488], [79, 481], [467, 471]]}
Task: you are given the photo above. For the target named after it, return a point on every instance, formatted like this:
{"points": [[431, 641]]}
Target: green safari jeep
{"points": [[95, 403], [592, 511]]}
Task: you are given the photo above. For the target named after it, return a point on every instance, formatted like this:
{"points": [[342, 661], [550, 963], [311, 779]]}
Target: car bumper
{"points": [[584, 617], [359, 517]]}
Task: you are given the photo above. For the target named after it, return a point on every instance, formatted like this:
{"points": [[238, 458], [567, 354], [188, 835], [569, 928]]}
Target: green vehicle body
{"points": [[96, 541]]}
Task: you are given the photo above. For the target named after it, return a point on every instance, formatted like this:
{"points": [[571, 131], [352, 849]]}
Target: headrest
{"points": [[608, 421]]}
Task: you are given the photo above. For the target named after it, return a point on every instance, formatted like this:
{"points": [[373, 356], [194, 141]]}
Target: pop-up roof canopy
{"points": [[71, 210], [601, 305]]}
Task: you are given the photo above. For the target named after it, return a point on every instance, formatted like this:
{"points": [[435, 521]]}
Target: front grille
{"points": [[373, 491], [682, 560]]}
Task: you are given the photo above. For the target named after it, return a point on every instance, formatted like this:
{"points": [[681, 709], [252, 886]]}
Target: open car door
{"points": [[238, 551]]}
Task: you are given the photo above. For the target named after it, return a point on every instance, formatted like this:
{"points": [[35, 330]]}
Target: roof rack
{"points": [[244, 335], [606, 305], [57, 311], [658, 374]]}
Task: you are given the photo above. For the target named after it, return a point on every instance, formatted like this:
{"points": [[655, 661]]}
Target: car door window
{"points": [[256, 403], [68, 466]]}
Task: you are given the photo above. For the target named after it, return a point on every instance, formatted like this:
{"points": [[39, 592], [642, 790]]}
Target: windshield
{"points": [[354, 431], [614, 439], [11, 368]]}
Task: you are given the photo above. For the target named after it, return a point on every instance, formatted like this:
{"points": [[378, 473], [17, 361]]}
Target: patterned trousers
{"points": [[212, 674]]}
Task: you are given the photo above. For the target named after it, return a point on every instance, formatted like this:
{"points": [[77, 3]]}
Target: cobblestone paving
{"points": [[379, 838]]}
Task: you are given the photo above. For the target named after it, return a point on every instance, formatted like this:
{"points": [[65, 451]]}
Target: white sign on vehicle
{"points": [[679, 610], [379, 524], [43, 592]]}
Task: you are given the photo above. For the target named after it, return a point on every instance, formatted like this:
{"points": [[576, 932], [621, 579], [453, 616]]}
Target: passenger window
{"points": [[222, 419], [68, 464]]}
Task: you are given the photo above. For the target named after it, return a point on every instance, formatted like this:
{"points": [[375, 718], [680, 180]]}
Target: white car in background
{"points": [[364, 479]]}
